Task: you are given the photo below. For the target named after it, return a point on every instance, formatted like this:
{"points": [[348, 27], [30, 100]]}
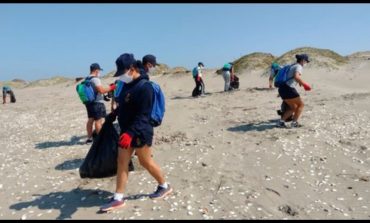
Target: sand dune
{"points": [[221, 153]]}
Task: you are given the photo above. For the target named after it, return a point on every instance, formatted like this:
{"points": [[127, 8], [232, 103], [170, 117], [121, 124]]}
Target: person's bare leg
{"points": [[98, 125], [124, 156], [145, 158], [89, 127], [299, 109]]}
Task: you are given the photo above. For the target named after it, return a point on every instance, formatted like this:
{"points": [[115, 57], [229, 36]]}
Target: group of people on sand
{"points": [[131, 105], [292, 106], [231, 80]]}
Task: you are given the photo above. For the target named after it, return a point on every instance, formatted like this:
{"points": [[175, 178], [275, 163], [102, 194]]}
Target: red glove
{"points": [[307, 87], [112, 87], [125, 141], [198, 78]]}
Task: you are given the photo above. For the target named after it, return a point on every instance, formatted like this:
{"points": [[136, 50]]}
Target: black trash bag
{"points": [[196, 91], [101, 160], [12, 97], [284, 108], [234, 84]]}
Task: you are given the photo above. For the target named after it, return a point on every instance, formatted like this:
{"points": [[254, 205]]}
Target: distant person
{"points": [[96, 111], [228, 75], [275, 67], [149, 63], [134, 114], [8, 90], [199, 84], [290, 95]]}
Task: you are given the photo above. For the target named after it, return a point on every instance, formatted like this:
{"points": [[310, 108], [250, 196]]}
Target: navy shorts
{"points": [[287, 92], [96, 110], [140, 141]]}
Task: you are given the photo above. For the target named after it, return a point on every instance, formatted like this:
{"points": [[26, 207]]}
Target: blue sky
{"points": [[44, 40]]}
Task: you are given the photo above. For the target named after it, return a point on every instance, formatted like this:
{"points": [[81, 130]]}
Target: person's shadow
{"points": [[70, 164], [75, 140], [67, 202], [261, 126]]}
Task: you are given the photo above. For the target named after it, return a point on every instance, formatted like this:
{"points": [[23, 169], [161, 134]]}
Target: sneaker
{"points": [[112, 204], [161, 192], [88, 141], [281, 124], [295, 125]]}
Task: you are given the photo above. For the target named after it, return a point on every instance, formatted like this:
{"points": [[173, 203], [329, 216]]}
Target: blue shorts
{"points": [[96, 110], [287, 92]]}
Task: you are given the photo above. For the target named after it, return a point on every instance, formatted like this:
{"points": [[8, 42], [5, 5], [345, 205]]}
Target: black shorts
{"points": [[287, 92], [140, 141], [96, 110]]}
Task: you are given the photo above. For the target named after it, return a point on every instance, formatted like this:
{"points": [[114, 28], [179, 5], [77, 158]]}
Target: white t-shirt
{"points": [[295, 68], [199, 71]]}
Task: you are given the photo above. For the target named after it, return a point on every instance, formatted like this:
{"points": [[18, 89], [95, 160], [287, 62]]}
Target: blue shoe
{"points": [[161, 192], [112, 204]]}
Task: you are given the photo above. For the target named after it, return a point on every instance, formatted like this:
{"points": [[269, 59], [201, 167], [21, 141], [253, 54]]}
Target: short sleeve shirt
{"points": [[97, 82], [295, 68]]}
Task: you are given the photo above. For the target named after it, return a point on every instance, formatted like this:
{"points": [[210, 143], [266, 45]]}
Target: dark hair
{"points": [[138, 65], [200, 64]]}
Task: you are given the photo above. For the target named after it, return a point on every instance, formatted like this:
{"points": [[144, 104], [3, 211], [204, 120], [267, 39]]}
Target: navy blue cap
{"points": [[95, 66], [124, 63], [150, 59], [303, 57]]}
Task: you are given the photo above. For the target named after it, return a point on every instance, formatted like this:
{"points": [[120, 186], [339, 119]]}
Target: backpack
{"points": [[281, 76], [195, 71], [158, 108], [227, 67], [118, 90], [85, 91]]}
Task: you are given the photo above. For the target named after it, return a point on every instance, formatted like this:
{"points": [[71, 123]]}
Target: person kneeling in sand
{"points": [[134, 112], [290, 95]]}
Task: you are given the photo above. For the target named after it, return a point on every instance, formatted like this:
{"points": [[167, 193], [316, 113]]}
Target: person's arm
{"points": [[270, 81], [271, 78], [297, 77], [102, 90]]}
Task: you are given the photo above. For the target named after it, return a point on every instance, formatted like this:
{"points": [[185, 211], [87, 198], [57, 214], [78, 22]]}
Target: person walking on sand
{"points": [[290, 95], [199, 84], [96, 111], [228, 75], [134, 112], [8, 90]]}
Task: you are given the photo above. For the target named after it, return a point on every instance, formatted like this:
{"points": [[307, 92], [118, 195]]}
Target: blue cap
{"points": [[124, 63], [95, 66], [303, 57], [150, 59]]}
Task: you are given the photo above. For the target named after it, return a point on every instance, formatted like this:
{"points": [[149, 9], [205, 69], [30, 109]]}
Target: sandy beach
{"points": [[222, 153]]}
